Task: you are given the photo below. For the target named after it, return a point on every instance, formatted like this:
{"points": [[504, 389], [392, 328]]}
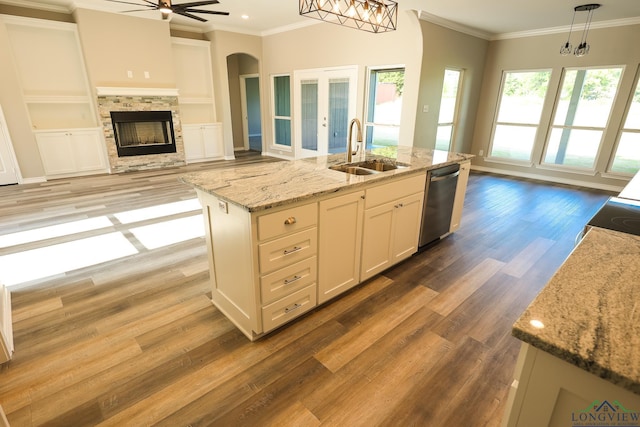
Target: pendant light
{"points": [[375, 16], [583, 48]]}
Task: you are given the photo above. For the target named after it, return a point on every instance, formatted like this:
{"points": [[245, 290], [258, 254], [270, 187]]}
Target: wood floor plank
{"points": [[136, 341]]}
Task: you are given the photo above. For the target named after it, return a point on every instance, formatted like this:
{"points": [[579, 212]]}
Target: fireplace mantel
{"points": [[135, 91]]}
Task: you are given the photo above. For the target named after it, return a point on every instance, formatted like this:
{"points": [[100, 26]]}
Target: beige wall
{"points": [[445, 48], [609, 47], [116, 43], [327, 45]]}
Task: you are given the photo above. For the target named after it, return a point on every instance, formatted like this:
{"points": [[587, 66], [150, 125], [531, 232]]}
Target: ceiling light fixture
{"points": [[583, 47], [375, 16]]}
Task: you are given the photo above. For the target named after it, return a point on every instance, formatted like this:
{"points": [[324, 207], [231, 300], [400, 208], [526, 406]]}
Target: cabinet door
{"points": [[212, 138], [339, 244], [88, 152], [377, 239], [408, 214], [192, 140], [461, 189], [56, 153]]}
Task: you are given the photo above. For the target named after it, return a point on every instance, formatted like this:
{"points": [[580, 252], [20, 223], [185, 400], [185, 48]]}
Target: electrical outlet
{"points": [[481, 153], [130, 74], [146, 75], [425, 108], [223, 206]]}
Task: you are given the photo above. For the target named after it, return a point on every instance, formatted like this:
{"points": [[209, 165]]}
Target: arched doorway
{"points": [[244, 101]]}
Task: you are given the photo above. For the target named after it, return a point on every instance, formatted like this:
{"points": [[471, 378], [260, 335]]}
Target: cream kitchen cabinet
{"points": [[270, 266], [72, 152], [202, 142], [340, 240], [391, 224], [263, 265], [458, 201]]}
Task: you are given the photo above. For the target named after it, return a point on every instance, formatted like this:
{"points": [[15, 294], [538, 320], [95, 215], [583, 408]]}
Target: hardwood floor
{"points": [[135, 341]]}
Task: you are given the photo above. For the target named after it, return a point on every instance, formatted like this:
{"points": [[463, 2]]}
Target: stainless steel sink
{"points": [[368, 167]]}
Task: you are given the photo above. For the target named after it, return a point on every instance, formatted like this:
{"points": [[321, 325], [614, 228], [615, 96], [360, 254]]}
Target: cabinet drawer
{"points": [[287, 221], [282, 311], [287, 250], [282, 282], [394, 190]]}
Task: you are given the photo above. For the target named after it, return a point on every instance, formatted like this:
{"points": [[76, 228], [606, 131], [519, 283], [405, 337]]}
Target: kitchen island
{"points": [[579, 362], [285, 237]]}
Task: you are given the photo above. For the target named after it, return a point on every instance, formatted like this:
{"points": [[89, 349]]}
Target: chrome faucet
{"points": [[350, 151]]}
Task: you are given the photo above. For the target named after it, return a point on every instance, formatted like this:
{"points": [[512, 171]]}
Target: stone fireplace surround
{"points": [[139, 99]]}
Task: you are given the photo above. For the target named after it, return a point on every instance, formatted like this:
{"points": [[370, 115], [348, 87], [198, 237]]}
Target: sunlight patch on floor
{"points": [[52, 231], [158, 211], [56, 259], [169, 232]]}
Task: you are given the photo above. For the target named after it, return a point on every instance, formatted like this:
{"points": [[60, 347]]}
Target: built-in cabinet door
{"points": [[71, 151], [202, 142], [461, 189], [340, 239]]}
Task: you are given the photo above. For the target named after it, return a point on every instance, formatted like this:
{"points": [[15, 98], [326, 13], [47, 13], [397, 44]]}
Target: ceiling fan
{"points": [[184, 9]]}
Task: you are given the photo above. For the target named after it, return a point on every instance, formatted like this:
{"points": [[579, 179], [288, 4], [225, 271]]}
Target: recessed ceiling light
{"points": [[245, 16]]}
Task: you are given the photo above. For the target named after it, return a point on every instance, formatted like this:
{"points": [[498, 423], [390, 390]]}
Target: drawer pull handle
{"points": [[293, 279], [290, 251], [292, 308], [290, 220]]}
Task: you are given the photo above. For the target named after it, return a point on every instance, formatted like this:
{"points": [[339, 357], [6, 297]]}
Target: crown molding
{"points": [[565, 29], [135, 91], [425, 16]]}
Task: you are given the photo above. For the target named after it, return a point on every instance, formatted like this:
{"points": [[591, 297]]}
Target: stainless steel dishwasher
{"points": [[440, 191]]}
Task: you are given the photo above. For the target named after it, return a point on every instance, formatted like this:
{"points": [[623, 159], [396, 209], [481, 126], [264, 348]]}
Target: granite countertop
{"points": [[590, 309], [266, 185]]}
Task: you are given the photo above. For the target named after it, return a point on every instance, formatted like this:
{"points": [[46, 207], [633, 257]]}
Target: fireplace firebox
{"points": [[140, 133]]}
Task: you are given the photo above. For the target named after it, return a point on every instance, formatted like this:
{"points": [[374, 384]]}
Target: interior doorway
{"points": [[252, 123], [239, 66], [9, 173]]}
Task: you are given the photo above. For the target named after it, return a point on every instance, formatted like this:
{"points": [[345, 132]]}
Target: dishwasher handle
{"points": [[443, 177]]}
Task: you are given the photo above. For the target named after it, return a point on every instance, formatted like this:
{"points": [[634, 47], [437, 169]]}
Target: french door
{"points": [[324, 103]]}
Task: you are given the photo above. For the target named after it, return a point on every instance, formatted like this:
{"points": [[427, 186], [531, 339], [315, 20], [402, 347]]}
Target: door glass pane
{"points": [[573, 147], [587, 97], [381, 136], [513, 142], [443, 137], [309, 114], [384, 107], [338, 120]]}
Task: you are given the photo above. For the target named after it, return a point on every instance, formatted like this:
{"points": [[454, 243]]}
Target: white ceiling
{"points": [[486, 18]]}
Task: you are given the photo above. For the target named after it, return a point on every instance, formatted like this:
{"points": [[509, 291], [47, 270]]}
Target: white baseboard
{"points": [[575, 182], [36, 180]]}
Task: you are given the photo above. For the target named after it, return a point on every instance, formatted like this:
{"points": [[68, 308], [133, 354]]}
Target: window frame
{"points": [[495, 123], [604, 129], [274, 143], [622, 130], [366, 124]]}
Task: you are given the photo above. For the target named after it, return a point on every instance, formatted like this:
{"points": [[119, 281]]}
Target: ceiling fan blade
{"points": [[188, 15], [195, 3], [211, 12], [136, 10], [151, 5]]}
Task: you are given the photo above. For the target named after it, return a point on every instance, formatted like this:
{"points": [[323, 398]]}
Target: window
{"points": [[581, 116], [448, 109], [520, 107], [282, 110], [384, 105], [627, 157]]}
